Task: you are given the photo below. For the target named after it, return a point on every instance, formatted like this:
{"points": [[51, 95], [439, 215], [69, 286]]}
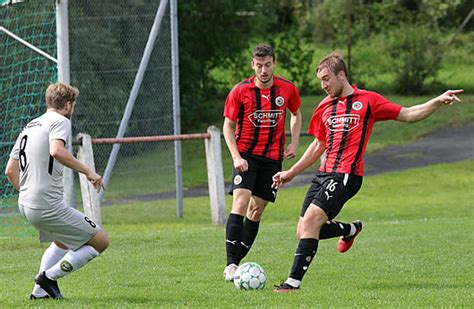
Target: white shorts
{"points": [[64, 224]]}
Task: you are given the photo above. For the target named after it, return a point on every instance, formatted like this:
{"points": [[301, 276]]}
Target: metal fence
{"points": [[107, 40]]}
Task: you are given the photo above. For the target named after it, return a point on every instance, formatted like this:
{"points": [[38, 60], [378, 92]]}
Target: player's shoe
{"points": [[33, 297], [345, 242], [284, 288], [50, 286], [229, 272]]}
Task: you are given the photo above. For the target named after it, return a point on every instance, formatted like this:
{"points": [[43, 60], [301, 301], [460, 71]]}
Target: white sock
{"points": [[293, 282], [50, 257], [71, 262], [353, 230]]}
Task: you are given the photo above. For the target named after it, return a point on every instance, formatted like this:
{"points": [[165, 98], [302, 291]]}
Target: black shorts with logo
{"points": [[330, 191], [258, 177]]}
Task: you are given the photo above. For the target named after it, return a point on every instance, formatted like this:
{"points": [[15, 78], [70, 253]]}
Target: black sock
{"points": [[249, 234], [233, 233], [334, 229], [305, 253]]}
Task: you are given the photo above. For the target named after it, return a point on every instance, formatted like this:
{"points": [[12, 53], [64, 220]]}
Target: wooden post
{"points": [[90, 197], [215, 176]]}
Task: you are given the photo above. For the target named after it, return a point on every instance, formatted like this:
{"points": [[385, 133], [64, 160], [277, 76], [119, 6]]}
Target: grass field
{"points": [[415, 251]]}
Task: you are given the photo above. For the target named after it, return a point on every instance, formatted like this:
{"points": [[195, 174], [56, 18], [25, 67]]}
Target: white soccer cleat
{"points": [[229, 272]]}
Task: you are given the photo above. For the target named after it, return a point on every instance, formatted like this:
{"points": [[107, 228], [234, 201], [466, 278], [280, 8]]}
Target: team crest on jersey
{"points": [[237, 180], [346, 122], [357, 105], [279, 101], [266, 118]]}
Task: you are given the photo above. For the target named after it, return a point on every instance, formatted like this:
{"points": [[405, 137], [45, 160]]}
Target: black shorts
{"points": [[258, 177], [330, 191]]}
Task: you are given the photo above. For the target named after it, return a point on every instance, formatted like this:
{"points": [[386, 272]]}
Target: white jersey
{"points": [[41, 185]]}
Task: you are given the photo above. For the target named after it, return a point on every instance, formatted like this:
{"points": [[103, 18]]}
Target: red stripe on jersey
{"points": [[250, 147], [345, 124], [260, 116]]}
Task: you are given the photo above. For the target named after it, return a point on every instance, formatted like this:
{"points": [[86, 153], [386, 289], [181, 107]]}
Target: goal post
{"points": [[28, 64], [215, 172]]}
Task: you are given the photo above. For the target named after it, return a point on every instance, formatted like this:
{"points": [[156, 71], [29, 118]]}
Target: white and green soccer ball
{"points": [[250, 276]]}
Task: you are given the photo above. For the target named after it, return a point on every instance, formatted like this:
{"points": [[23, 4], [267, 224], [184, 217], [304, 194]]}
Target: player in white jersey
{"points": [[35, 168]]}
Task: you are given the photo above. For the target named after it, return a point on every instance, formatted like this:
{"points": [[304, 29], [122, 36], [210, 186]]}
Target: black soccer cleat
{"points": [[33, 297], [345, 242], [50, 286], [284, 287]]}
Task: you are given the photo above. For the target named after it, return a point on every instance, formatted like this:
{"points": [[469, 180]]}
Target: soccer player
{"points": [[35, 168], [254, 130], [341, 124]]}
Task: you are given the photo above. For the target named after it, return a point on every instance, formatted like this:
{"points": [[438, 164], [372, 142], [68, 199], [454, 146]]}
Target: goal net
{"points": [[106, 44], [24, 75]]}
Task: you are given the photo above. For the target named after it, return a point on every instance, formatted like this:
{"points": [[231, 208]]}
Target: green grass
{"points": [[415, 251]]}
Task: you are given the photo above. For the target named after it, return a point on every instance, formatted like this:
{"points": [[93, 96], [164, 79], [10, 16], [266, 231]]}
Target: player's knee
{"points": [[100, 241], [239, 209], [255, 213], [105, 241], [240, 206], [311, 225]]}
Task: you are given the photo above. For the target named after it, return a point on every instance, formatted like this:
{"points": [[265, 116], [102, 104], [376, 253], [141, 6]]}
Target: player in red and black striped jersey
{"points": [[254, 130], [341, 125]]}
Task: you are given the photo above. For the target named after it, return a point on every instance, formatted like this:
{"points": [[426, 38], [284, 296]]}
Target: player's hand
{"points": [[450, 97], [290, 152], [96, 180], [241, 165], [280, 178]]}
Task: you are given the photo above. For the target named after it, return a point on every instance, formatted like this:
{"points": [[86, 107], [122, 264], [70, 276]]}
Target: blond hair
{"points": [[334, 62], [58, 94]]}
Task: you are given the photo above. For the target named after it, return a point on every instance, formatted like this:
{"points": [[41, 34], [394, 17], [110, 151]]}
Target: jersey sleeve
{"points": [[316, 126], [232, 104], [15, 153], [60, 129], [383, 109], [295, 101]]}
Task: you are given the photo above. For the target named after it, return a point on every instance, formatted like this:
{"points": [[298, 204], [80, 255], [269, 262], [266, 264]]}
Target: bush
{"points": [[296, 56], [416, 52]]}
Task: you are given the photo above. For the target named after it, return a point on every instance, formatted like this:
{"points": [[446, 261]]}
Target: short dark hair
{"points": [[334, 62], [58, 94], [263, 50]]}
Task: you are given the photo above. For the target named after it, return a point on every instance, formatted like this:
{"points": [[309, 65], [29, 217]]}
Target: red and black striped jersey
{"points": [[260, 115], [345, 124]]}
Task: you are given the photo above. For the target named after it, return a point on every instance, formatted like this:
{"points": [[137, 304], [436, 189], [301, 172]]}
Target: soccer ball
{"points": [[250, 276]]}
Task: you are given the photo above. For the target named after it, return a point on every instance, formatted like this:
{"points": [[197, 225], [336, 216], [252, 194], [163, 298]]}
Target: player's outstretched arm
{"points": [[12, 171], [419, 112], [60, 153], [311, 155]]}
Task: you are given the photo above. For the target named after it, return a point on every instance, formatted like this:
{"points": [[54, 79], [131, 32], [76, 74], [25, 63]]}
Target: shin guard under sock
{"points": [[304, 255], [234, 229]]}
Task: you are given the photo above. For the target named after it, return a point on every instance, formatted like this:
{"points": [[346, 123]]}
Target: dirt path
{"points": [[443, 146]]}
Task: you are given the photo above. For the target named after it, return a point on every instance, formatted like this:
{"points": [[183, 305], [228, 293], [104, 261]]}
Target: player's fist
{"points": [[280, 178], [96, 180], [290, 152], [241, 165]]}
